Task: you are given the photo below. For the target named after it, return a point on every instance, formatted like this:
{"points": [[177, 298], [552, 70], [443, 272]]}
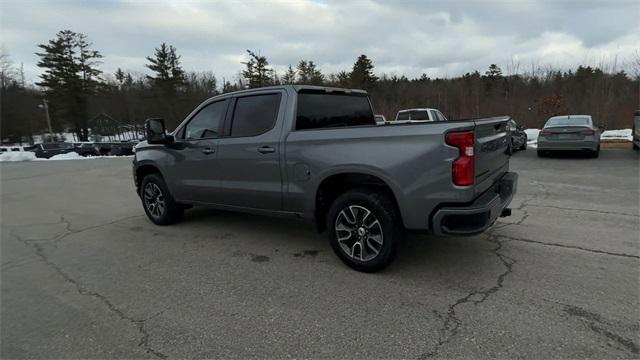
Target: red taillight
{"points": [[463, 168]]}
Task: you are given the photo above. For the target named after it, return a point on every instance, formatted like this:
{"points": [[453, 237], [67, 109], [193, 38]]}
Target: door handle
{"points": [[208, 151], [266, 149]]}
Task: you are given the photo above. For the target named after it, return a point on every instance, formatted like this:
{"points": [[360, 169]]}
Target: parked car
{"points": [[569, 132], [380, 119], [426, 114], [86, 149], [636, 130], [518, 136], [316, 153], [47, 150], [124, 148], [116, 148]]}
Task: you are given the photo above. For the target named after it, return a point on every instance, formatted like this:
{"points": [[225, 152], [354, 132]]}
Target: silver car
{"points": [[569, 132]]}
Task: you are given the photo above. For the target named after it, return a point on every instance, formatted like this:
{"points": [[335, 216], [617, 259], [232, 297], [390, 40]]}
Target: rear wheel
{"points": [[635, 146], [596, 153], [158, 203], [541, 153], [364, 229]]}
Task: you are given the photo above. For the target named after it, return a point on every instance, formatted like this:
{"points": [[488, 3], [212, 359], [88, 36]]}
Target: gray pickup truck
{"points": [[316, 153]]}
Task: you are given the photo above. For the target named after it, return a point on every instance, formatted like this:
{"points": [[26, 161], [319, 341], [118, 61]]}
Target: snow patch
{"points": [[532, 137], [622, 134], [17, 156], [68, 156]]}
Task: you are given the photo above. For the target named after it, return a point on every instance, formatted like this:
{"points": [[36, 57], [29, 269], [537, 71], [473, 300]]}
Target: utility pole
{"points": [[45, 106]]}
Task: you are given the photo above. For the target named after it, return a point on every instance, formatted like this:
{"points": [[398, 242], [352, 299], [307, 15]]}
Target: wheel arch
{"points": [[336, 184], [143, 170]]}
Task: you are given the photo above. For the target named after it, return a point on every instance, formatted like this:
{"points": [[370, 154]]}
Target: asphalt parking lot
{"points": [[86, 275]]}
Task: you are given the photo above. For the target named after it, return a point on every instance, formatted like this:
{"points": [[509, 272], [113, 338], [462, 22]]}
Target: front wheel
{"points": [[364, 229], [158, 203]]}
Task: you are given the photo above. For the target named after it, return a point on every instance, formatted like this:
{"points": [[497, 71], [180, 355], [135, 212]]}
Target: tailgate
{"points": [[491, 150]]}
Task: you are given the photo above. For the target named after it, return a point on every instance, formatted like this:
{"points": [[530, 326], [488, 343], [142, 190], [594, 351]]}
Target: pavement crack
{"points": [[595, 251], [69, 230], [585, 210], [597, 324], [451, 322], [138, 323]]}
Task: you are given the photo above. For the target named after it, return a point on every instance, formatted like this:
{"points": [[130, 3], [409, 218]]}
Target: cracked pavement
{"points": [[85, 275]]}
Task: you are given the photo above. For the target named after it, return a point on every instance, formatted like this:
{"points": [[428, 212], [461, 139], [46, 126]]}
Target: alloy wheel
{"points": [[359, 232], [154, 200]]}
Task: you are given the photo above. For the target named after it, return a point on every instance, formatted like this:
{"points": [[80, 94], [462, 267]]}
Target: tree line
{"points": [[76, 89]]}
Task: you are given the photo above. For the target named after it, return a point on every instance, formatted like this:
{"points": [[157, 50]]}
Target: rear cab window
{"points": [[321, 110], [421, 115]]}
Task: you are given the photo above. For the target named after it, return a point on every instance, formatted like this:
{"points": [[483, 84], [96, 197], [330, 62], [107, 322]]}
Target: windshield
{"points": [[567, 121]]}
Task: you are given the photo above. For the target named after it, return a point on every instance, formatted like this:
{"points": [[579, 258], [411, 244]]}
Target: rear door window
{"points": [[51, 146], [317, 110], [403, 115], [440, 116], [255, 115]]}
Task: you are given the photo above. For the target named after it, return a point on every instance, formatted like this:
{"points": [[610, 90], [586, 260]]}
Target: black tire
{"points": [[171, 211], [596, 153], [541, 153], [388, 229], [524, 146], [636, 147]]}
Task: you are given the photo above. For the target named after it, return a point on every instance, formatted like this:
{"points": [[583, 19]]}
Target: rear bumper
{"points": [[567, 144], [478, 216]]}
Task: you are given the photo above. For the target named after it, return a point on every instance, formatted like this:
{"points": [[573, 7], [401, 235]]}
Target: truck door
{"points": [[249, 153], [194, 173]]}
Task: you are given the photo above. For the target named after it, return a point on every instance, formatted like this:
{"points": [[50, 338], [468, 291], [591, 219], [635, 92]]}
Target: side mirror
{"points": [[155, 131]]}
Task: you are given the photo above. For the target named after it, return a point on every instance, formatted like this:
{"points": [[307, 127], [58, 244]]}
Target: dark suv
{"points": [[47, 150]]}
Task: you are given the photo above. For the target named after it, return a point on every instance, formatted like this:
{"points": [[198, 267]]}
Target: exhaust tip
{"points": [[505, 212]]}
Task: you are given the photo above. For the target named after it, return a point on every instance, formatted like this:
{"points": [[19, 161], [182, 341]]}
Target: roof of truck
{"points": [[569, 116], [418, 109], [298, 88]]}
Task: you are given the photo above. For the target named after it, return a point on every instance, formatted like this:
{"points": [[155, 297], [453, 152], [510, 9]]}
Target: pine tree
{"points": [[494, 72], [71, 75], [309, 74], [362, 75], [169, 75], [120, 76], [289, 76], [256, 72]]}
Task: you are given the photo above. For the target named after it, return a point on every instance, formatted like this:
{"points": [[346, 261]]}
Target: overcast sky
{"points": [[439, 38]]}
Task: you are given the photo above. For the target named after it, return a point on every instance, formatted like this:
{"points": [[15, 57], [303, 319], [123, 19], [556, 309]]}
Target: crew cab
{"points": [[316, 153]]}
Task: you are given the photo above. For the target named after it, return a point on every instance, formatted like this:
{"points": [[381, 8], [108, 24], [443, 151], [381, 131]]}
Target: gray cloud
{"points": [[438, 38]]}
